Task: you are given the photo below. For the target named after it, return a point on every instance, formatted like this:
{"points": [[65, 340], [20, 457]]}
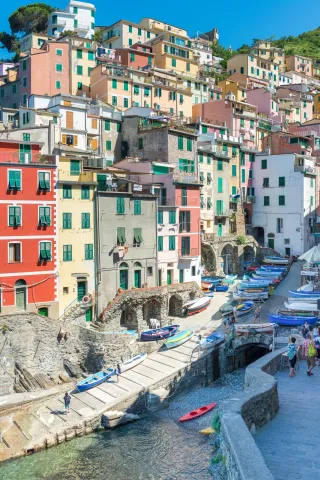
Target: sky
{"points": [[238, 22]]}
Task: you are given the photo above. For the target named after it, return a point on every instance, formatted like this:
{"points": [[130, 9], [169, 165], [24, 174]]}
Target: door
{"points": [[185, 245], [181, 275], [137, 278], [21, 295], [81, 289], [219, 229], [44, 311], [159, 278], [271, 243], [288, 252], [169, 277], [89, 315], [24, 153], [124, 279]]}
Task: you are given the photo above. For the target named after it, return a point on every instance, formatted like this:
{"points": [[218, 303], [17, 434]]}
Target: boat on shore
{"points": [[132, 362], [276, 260], [301, 306], [212, 340], [198, 306], [158, 333], [198, 412], [255, 296], [271, 267], [96, 379], [258, 327], [213, 280], [221, 288], [179, 339], [298, 313], [303, 294], [229, 279], [291, 320]]}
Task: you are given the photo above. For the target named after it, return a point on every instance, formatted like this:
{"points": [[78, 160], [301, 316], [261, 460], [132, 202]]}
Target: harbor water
{"points": [[156, 447]]}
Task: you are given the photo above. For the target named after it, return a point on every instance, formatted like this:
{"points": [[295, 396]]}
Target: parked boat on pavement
{"points": [[198, 306], [133, 362], [179, 339], [301, 306], [212, 340], [158, 333], [95, 379], [258, 327], [291, 320]]}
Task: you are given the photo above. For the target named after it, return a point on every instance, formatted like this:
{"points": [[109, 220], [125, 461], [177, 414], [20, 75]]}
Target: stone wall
{"points": [[240, 416]]}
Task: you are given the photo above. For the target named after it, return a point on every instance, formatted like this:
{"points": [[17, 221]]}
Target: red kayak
{"points": [[197, 413]]}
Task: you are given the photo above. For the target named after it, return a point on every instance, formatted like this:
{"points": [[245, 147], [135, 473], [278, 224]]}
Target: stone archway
{"points": [[175, 306], [227, 259], [129, 318], [208, 258], [151, 309], [259, 235]]}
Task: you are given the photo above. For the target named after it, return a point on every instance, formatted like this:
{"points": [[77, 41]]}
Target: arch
{"points": [[123, 265], [259, 234], [137, 265], [208, 258], [129, 318], [124, 275], [21, 294], [227, 258], [247, 216], [20, 283], [248, 254], [176, 306], [151, 309]]}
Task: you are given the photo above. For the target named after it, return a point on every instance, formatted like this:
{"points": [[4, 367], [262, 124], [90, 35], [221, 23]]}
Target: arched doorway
{"points": [[208, 258], [258, 234], [247, 216], [227, 259], [137, 275], [151, 309], [124, 275], [175, 306], [21, 294], [248, 254], [129, 319]]}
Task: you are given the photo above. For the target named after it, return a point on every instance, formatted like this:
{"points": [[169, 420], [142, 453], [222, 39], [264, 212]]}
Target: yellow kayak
{"points": [[207, 431]]}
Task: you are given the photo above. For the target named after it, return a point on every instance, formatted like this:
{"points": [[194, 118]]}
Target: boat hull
{"points": [[291, 321], [133, 362], [95, 380], [158, 333], [198, 306], [179, 339], [198, 412], [258, 327], [300, 306], [212, 340]]}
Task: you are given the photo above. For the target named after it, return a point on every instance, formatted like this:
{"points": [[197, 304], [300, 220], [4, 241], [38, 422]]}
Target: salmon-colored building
{"points": [[138, 56], [28, 264]]}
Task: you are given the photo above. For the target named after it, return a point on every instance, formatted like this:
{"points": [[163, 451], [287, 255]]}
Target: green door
{"points": [[124, 279], [271, 243], [169, 277], [137, 278], [181, 275], [21, 295], [219, 229], [89, 314], [25, 153], [81, 290], [44, 311], [159, 278]]}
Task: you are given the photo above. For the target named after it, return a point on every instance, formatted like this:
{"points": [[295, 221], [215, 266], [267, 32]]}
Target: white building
{"points": [[78, 17], [284, 214]]}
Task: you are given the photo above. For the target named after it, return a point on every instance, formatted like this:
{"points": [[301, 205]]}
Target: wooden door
{"points": [[69, 120], [21, 298]]}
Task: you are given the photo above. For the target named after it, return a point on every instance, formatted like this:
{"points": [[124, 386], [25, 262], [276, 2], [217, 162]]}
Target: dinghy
{"points": [[270, 267], [95, 379], [291, 320], [212, 340], [179, 339], [244, 308], [221, 288], [158, 333], [302, 294], [133, 362], [198, 412], [298, 313], [266, 273], [300, 306], [255, 296], [271, 278], [258, 327], [230, 278], [213, 280], [302, 300], [276, 260], [198, 306]]}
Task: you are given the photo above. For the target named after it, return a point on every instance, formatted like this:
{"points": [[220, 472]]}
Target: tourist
{"points": [[67, 400], [305, 329], [118, 371], [309, 351], [292, 355], [316, 339]]}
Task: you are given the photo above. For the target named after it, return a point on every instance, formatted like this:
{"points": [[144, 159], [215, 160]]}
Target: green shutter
{"points": [[79, 70], [243, 175], [67, 191], [120, 206], [66, 220], [79, 53], [220, 165], [266, 201], [137, 207], [282, 181], [108, 145], [14, 180], [160, 244], [282, 200], [172, 217], [180, 142], [85, 192], [125, 85], [67, 253], [14, 216], [137, 235], [85, 220], [114, 83], [220, 185], [172, 242], [121, 235], [160, 217], [264, 164], [74, 167], [88, 251], [234, 170], [107, 125], [189, 144], [119, 127], [233, 190]]}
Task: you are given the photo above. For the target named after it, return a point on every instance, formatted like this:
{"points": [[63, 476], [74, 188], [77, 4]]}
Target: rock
{"points": [[72, 369], [113, 419], [64, 378], [158, 399]]}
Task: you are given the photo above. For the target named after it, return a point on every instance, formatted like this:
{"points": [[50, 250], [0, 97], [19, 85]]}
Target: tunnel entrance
{"points": [[243, 356]]}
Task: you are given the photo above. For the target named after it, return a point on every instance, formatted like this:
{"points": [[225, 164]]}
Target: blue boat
{"points": [[291, 320], [213, 280], [212, 340], [158, 333], [252, 286], [271, 277], [179, 339], [302, 294], [95, 379], [275, 267], [221, 288], [266, 273]]}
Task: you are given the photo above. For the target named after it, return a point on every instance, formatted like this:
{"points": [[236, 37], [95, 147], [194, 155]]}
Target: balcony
{"points": [[112, 34], [227, 212], [27, 158], [186, 177], [59, 23], [222, 154], [249, 199], [166, 202], [188, 254], [306, 170], [228, 139], [246, 148], [81, 27], [244, 113]]}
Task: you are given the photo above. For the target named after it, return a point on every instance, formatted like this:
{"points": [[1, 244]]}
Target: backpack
{"points": [[312, 352], [291, 351]]}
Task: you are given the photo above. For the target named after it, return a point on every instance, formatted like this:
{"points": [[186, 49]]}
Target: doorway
{"points": [[44, 311], [21, 295], [137, 278], [271, 243], [81, 290], [124, 276], [159, 278], [181, 275], [169, 277], [89, 314]]}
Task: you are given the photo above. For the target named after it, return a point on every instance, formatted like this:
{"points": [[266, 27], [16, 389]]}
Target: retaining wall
{"points": [[241, 416]]}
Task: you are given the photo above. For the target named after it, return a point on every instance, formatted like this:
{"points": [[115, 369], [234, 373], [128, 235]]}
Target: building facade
{"points": [[78, 17]]}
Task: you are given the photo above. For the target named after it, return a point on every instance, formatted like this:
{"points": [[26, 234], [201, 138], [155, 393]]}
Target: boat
{"points": [[255, 296], [221, 288], [228, 307], [244, 308], [213, 280], [209, 294], [312, 300], [276, 260], [230, 278], [158, 333], [271, 278], [252, 286], [271, 267], [198, 306], [309, 287], [198, 412], [298, 313], [133, 362], [206, 285], [302, 294], [95, 379], [258, 327], [291, 320], [212, 340], [207, 431], [301, 306], [266, 273], [179, 339]]}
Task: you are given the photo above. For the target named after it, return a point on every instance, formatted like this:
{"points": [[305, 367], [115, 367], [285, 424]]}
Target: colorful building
{"points": [[138, 56], [298, 64], [255, 67], [78, 17], [124, 34]]}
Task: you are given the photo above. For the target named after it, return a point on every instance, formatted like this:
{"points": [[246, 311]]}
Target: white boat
{"points": [[133, 362], [276, 260], [250, 296], [258, 327], [301, 306], [306, 288], [310, 300], [198, 306]]}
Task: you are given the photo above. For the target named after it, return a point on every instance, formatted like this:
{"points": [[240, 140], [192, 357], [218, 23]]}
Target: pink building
{"points": [[299, 64], [45, 71], [300, 100], [138, 56], [266, 103]]}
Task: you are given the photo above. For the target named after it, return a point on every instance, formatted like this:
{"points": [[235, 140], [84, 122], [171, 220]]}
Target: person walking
{"points": [[67, 400], [305, 329], [316, 338], [309, 351], [118, 371], [292, 355]]}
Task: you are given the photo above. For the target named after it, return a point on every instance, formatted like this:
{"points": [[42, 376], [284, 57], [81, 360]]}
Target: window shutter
{"points": [[160, 217], [69, 120], [220, 185], [160, 244], [64, 139], [12, 179], [120, 205]]}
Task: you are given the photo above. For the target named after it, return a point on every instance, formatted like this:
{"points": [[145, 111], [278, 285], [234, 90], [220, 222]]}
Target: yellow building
{"points": [[76, 238], [238, 89], [316, 104], [254, 67], [82, 61], [267, 51], [156, 26]]}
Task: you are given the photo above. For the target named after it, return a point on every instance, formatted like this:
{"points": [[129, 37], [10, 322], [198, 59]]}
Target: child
{"points": [[67, 400], [292, 355]]}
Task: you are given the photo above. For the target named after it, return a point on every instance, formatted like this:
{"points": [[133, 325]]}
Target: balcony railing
{"points": [[188, 252], [166, 202], [222, 154], [61, 23], [185, 177], [306, 170], [246, 148], [27, 158], [82, 27], [226, 212], [188, 202]]}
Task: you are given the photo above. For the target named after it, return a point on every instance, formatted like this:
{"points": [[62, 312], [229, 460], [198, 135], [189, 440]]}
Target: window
{"points": [[193, 271], [67, 191], [44, 181], [79, 70], [282, 200], [14, 216], [173, 62], [126, 102], [130, 28], [67, 221], [243, 175], [242, 122], [26, 137], [79, 53], [24, 102], [114, 101], [282, 181], [233, 190], [186, 165], [58, 67], [184, 221], [59, 52], [89, 72], [189, 144], [180, 142], [311, 200], [90, 55], [234, 170], [119, 127], [148, 34], [126, 86], [251, 157], [58, 84], [107, 125], [219, 207], [85, 220], [120, 206], [220, 185], [114, 83], [136, 89], [67, 253], [265, 182], [220, 165], [209, 178], [130, 42], [14, 88], [74, 167], [45, 251], [266, 201], [108, 145], [44, 216], [140, 143], [85, 192], [250, 173], [184, 197], [75, 10], [172, 242], [242, 158], [200, 157], [79, 85], [24, 84], [88, 251], [264, 164], [160, 244], [139, 32], [137, 237], [160, 217], [24, 65], [14, 252], [185, 246], [279, 225], [137, 207], [14, 180], [172, 217], [121, 236]]}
